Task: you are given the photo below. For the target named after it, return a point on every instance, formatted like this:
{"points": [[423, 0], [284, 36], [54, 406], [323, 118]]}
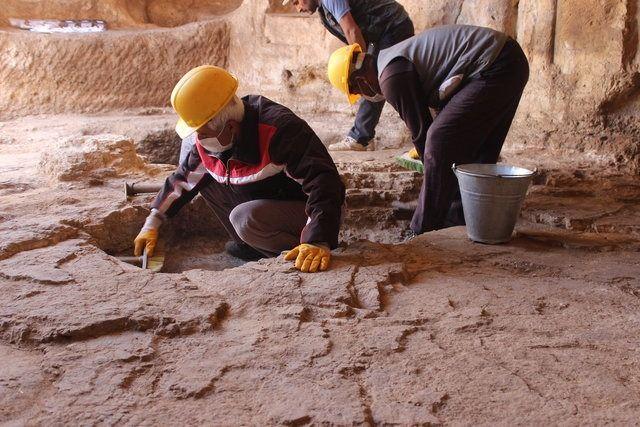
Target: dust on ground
{"points": [[435, 329]]}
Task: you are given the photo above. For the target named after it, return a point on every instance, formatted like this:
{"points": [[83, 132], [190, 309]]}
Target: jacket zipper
{"points": [[228, 183]]}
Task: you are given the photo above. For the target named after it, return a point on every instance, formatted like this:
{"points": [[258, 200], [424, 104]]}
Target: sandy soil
{"points": [[434, 330]]}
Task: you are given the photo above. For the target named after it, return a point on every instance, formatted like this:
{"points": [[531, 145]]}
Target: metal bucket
{"points": [[492, 196]]}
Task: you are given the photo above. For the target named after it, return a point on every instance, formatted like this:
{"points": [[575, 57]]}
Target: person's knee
{"points": [[438, 144], [242, 219], [442, 145], [436, 137]]}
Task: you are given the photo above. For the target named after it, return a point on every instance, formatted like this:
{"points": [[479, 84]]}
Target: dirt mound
{"points": [[92, 157]]}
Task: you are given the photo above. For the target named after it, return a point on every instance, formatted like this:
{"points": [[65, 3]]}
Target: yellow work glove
{"points": [[413, 154], [145, 239], [309, 258]]}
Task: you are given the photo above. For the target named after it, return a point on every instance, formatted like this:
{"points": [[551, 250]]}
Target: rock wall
{"points": [[54, 73], [585, 81], [583, 97], [118, 13]]}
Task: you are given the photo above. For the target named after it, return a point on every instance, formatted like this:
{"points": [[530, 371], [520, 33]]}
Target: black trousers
{"points": [[471, 128]]}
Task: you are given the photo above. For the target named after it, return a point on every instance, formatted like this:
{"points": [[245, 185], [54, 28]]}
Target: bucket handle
{"points": [[535, 171]]}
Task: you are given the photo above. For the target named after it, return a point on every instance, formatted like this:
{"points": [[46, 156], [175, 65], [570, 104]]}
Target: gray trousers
{"points": [[269, 226]]}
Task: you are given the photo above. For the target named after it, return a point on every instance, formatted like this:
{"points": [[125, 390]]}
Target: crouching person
{"points": [[262, 170]]}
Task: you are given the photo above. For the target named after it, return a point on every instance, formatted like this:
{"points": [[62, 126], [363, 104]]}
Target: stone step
{"points": [[385, 225], [403, 181], [368, 197], [585, 207]]}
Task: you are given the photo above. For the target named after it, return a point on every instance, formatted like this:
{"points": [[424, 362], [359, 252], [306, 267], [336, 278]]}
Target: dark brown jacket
{"points": [[277, 157]]}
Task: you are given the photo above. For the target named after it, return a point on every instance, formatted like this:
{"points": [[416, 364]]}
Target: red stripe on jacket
{"points": [[239, 169]]}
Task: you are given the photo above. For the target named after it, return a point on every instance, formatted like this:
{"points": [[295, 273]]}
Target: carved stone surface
{"points": [[432, 330]]}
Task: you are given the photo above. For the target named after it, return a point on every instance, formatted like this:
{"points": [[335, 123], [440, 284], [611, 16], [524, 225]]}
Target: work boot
{"points": [[348, 144], [409, 235], [242, 251]]}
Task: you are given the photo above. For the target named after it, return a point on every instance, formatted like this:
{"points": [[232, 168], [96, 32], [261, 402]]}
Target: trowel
{"points": [[145, 262]]}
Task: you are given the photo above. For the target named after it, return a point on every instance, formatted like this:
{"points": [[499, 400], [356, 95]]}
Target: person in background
{"points": [[473, 76], [377, 23]]}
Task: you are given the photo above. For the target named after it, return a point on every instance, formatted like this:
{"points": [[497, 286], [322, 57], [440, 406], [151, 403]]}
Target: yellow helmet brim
{"points": [[338, 69], [183, 129]]}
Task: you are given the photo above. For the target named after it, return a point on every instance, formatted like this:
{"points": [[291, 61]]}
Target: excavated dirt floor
{"points": [[432, 330]]}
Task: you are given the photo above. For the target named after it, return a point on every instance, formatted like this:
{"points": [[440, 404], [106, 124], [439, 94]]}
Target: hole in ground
{"points": [[199, 252], [194, 239], [379, 209]]}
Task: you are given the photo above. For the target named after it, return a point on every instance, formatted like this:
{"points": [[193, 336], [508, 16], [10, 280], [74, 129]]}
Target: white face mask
{"points": [[213, 144]]}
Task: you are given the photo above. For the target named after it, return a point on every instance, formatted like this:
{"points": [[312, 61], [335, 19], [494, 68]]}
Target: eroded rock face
{"points": [[582, 98], [114, 70], [119, 13], [92, 157]]}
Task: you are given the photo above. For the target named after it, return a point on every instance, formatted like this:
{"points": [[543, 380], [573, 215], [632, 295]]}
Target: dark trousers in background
{"points": [[269, 226], [368, 115], [471, 128]]}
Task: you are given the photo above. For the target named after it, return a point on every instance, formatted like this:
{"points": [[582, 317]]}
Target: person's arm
{"points": [[400, 85], [179, 188], [341, 11], [182, 185], [352, 31], [307, 161]]}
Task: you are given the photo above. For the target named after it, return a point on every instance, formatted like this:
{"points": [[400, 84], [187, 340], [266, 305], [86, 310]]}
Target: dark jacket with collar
{"points": [[374, 17], [277, 157]]}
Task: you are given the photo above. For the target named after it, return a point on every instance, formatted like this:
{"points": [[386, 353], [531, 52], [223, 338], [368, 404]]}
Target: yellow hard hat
{"points": [[339, 67], [200, 95]]}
